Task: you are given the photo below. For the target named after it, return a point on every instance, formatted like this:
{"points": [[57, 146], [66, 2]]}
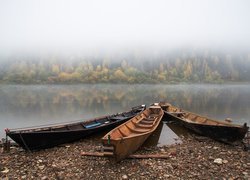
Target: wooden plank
{"points": [[132, 156]]}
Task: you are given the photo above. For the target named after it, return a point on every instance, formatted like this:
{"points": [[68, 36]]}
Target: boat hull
{"points": [[124, 147], [226, 134], [42, 140], [46, 137], [128, 137]]}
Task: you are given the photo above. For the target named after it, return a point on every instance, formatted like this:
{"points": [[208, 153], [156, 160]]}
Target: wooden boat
{"points": [[219, 130], [36, 138], [128, 137]]}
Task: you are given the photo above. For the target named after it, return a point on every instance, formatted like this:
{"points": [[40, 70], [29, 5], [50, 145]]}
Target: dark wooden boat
{"points": [[128, 137], [219, 130], [37, 138]]}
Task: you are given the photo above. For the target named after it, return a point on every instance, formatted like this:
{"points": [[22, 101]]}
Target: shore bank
{"points": [[194, 158]]}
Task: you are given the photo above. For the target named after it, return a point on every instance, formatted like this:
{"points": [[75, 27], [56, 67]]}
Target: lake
{"points": [[31, 105]]}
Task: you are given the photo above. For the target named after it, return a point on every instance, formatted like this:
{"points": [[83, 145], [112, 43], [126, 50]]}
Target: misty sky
{"points": [[72, 24]]}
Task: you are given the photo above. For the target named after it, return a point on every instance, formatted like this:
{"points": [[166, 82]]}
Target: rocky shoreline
{"points": [[194, 158]]}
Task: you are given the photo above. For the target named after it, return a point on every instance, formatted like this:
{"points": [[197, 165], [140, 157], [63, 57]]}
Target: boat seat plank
{"points": [[150, 119], [139, 130], [122, 133], [143, 125], [146, 122]]}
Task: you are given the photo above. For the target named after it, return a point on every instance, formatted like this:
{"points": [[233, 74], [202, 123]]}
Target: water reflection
{"points": [[153, 140], [163, 135], [26, 105], [178, 130]]}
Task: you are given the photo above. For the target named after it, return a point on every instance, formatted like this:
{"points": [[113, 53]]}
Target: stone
{"points": [[160, 167], [23, 177], [44, 177], [210, 158], [6, 170], [166, 175], [228, 120], [244, 166], [218, 161], [245, 173], [124, 176], [41, 167], [225, 161], [40, 161], [162, 150]]}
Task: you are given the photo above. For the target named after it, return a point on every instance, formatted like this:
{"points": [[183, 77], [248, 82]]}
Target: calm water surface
{"points": [[30, 105]]}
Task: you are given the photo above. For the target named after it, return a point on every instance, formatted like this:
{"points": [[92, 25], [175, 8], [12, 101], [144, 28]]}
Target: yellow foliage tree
{"points": [[120, 75]]}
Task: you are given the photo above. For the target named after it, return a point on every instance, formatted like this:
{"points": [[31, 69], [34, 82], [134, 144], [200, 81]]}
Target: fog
{"points": [[60, 25]]}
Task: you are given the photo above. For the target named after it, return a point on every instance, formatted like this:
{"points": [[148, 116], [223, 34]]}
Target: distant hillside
{"points": [[186, 66]]}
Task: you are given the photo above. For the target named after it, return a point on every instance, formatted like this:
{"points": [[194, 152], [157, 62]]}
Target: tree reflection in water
{"points": [[26, 105]]}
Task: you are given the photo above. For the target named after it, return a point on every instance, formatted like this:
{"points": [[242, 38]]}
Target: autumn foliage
{"points": [[197, 68]]}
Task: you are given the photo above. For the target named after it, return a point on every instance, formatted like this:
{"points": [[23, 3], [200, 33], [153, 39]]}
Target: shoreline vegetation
{"points": [[124, 83], [162, 68]]}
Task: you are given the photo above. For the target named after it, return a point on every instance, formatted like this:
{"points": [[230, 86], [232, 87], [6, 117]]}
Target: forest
{"points": [[188, 66]]}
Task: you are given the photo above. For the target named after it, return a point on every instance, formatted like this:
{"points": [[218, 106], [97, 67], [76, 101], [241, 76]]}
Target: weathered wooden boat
{"points": [[219, 130], [128, 137], [36, 138]]}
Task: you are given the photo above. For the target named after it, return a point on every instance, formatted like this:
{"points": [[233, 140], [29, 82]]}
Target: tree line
{"points": [[164, 68]]}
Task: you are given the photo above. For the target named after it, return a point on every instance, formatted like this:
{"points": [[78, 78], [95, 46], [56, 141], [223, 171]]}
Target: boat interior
{"points": [[142, 123], [194, 118], [80, 125]]}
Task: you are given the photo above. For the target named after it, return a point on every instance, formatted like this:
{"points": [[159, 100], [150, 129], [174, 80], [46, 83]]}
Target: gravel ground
{"points": [[194, 158]]}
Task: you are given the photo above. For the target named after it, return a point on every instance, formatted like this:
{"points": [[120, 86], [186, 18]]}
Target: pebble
{"points": [[160, 167], [193, 160], [225, 161], [41, 167], [166, 175], [124, 176], [218, 161], [6, 170], [162, 150], [44, 177], [210, 158]]}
